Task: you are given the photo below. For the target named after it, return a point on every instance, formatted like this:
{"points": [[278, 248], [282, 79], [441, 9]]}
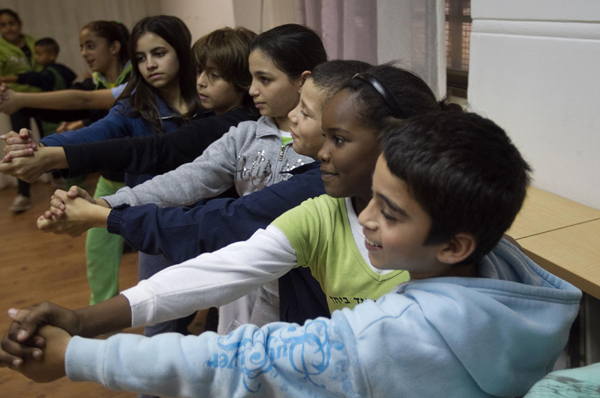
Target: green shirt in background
{"points": [[14, 61]]}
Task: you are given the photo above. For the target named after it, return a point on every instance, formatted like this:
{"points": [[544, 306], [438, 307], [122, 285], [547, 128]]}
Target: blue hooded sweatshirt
{"points": [[495, 335]]}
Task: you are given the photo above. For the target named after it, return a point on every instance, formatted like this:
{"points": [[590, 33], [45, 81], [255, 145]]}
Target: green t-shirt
{"points": [[14, 61], [320, 233]]}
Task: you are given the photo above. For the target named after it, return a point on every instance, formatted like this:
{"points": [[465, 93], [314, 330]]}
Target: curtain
{"points": [[412, 31], [409, 31], [348, 27]]}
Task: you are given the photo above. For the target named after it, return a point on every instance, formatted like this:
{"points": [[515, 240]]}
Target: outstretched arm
{"points": [[207, 176], [13, 101], [21, 344], [184, 233], [317, 359], [172, 293], [30, 164], [139, 155], [157, 154], [73, 213]]}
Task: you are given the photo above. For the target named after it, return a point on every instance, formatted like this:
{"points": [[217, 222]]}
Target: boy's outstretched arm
{"points": [[105, 317], [317, 359], [172, 293]]}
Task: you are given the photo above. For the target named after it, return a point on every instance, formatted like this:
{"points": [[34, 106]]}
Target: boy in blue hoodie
{"points": [[477, 319]]}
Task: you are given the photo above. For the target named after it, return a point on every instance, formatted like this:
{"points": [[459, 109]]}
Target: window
{"points": [[458, 34]]}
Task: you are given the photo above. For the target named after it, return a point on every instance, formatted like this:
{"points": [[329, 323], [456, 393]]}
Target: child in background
{"points": [[160, 97], [479, 318], [105, 48], [53, 77], [16, 56]]}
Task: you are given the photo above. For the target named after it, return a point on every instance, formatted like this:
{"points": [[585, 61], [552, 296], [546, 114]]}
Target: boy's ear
{"points": [[303, 78], [458, 249], [115, 47]]}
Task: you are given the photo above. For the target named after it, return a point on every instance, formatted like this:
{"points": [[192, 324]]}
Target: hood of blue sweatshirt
{"points": [[505, 328]]}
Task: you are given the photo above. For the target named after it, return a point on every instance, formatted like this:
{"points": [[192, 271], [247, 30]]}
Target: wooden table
{"points": [[571, 253], [562, 236], [544, 212]]}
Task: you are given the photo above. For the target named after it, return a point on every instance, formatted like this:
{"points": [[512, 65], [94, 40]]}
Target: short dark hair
{"points": [[292, 48], [463, 170], [11, 13], [49, 44], [227, 51], [330, 76], [112, 31], [411, 93]]}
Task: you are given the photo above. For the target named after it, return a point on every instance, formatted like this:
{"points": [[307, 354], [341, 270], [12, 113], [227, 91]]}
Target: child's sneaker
{"points": [[20, 204]]}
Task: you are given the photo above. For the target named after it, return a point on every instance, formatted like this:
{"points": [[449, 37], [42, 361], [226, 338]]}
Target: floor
{"points": [[37, 267]]}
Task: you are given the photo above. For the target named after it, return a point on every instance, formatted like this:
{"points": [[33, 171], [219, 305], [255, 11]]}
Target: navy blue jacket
{"points": [[46, 79], [184, 233], [119, 124]]}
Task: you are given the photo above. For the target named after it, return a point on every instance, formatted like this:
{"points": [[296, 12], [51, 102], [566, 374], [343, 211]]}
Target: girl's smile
{"points": [[350, 150]]}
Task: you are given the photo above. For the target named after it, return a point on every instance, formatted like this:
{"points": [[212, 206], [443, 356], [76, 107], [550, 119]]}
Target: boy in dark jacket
{"points": [[53, 77]]}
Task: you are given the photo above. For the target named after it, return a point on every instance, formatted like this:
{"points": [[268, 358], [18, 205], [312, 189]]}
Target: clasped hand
{"points": [[20, 160], [70, 212], [35, 348], [8, 103]]}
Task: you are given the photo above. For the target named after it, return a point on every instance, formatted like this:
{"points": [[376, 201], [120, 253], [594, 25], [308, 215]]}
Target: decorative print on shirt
{"points": [[308, 351]]}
